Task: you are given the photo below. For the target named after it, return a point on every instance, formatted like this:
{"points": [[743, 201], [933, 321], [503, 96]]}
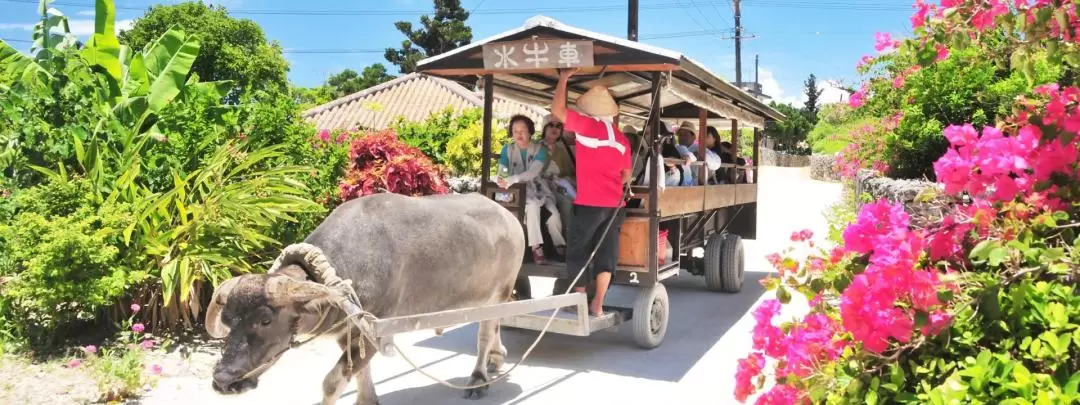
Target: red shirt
{"points": [[602, 152]]}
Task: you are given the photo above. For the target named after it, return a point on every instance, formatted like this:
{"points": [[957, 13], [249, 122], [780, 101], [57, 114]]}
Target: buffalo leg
{"points": [[365, 387], [486, 342], [338, 378], [497, 354]]}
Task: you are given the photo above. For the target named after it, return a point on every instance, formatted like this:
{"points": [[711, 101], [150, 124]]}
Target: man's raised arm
{"points": [[558, 102]]}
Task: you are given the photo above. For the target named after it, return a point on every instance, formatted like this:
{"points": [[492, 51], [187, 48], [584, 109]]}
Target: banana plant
{"points": [[45, 40]]}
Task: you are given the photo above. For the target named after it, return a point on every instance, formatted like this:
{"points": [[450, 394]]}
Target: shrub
{"points": [[977, 307], [463, 150], [432, 135], [65, 261], [382, 162]]}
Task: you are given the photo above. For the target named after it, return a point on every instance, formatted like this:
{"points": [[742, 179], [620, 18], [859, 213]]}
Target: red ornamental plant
{"points": [[380, 162]]}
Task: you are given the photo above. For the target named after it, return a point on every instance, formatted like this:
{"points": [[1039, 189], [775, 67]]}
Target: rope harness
{"points": [[348, 301]]}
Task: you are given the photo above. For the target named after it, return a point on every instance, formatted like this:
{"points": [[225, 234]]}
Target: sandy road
{"points": [[707, 333]]}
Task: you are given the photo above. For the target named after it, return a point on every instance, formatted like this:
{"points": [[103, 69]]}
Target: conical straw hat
{"points": [[598, 102]]}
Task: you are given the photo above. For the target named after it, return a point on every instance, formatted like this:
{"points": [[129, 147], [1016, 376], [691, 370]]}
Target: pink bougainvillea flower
{"points": [[147, 344], [857, 99], [883, 41], [155, 368], [135, 308], [782, 394], [746, 370], [921, 10], [74, 363], [866, 59], [802, 236], [138, 328], [324, 135], [90, 349], [942, 52]]}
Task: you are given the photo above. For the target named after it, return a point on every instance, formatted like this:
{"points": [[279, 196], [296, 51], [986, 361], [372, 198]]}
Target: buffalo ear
{"points": [[214, 325]]}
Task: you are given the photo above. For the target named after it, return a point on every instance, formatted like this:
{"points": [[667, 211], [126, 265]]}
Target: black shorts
{"points": [[584, 235]]}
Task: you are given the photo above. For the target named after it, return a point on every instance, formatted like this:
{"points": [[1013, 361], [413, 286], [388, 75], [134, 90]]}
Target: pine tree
{"points": [[810, 107], [443, 32]]}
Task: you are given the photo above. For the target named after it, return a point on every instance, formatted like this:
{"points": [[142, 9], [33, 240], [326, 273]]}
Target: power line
{"points": [[508, 11], [669, 35], [535, 10]]}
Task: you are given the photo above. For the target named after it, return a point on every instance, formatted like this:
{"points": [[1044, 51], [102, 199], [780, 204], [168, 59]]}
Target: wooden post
{"points": [[702, 169], [735, 148], [654, 175], [485, 164], [757, 148]]}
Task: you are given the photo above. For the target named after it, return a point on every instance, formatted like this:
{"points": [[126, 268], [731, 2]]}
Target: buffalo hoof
{"points": [[236, 387], [478, 392]]}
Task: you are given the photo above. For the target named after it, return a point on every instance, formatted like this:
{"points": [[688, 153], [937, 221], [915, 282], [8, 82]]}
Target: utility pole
{"points": [[632, 21], [757, 84], [738, 44]]}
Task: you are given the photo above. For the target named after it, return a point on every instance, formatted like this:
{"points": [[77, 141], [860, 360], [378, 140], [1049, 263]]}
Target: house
{"points": [[414, 96]]}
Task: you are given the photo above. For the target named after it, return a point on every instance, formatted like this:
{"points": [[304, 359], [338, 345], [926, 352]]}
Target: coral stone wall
{"points": [[821, 168], [770, 157]]}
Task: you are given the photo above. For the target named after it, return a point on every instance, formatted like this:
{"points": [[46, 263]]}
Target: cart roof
{"points": [[624, 66]]}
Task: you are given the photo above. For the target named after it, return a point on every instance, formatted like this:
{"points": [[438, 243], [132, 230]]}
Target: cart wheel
{"points": [[714, 250], [650, 318], [561, 284], [733, 264]]}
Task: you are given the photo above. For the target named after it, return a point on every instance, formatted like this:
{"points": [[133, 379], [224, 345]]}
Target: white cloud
{"points": [[830, 91], [12, 27], [85, 27], [79, 27]]}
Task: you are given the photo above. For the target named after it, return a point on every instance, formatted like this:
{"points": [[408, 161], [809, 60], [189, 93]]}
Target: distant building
{"points": [[755, 90], [414, 96]]}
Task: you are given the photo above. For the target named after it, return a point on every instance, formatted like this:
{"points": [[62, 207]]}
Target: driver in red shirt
{"points": [[603, 162]]}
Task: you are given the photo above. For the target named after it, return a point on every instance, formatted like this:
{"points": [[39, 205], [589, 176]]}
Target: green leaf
{"points": [[981, 250], [897, 376], [871, 398], [216, 90], [997, 256], [783, 295], [137, 82], [1073, 386], [168, 63], [29, 73]]}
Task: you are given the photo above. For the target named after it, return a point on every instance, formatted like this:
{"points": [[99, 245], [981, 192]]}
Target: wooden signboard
{"points": [[538, 54]]}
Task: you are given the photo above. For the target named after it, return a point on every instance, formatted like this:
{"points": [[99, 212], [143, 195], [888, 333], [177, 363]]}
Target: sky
{"points": [[792, 38]]}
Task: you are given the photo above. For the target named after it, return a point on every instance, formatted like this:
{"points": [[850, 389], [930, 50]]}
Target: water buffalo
{"points": [[404, 255]]}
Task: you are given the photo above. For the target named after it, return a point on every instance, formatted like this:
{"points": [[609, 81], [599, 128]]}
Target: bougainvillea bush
{"points": [[980, 307], [380, 162], [926, 86]]}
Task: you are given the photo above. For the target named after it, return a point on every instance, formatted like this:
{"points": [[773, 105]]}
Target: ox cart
{"points": [[650, 84]]}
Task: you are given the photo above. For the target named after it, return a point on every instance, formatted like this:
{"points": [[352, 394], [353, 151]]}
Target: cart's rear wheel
{"points": [[714, 250], [733, 264], [650, 318]]}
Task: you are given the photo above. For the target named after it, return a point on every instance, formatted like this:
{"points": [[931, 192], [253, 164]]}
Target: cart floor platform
{"points": [[566, 323]]}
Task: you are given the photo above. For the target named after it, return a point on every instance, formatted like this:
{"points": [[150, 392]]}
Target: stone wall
{"points": [[923, 200], [821, 168], [770, 157]]}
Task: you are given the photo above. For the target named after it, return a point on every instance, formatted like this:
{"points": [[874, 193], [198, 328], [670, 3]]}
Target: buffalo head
{"points": [[259, 315]]}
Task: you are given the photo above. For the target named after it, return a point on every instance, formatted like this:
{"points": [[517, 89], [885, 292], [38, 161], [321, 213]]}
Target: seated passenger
{"points": [[678, 174], [522, 161], [559, 171], [689, 146]]}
